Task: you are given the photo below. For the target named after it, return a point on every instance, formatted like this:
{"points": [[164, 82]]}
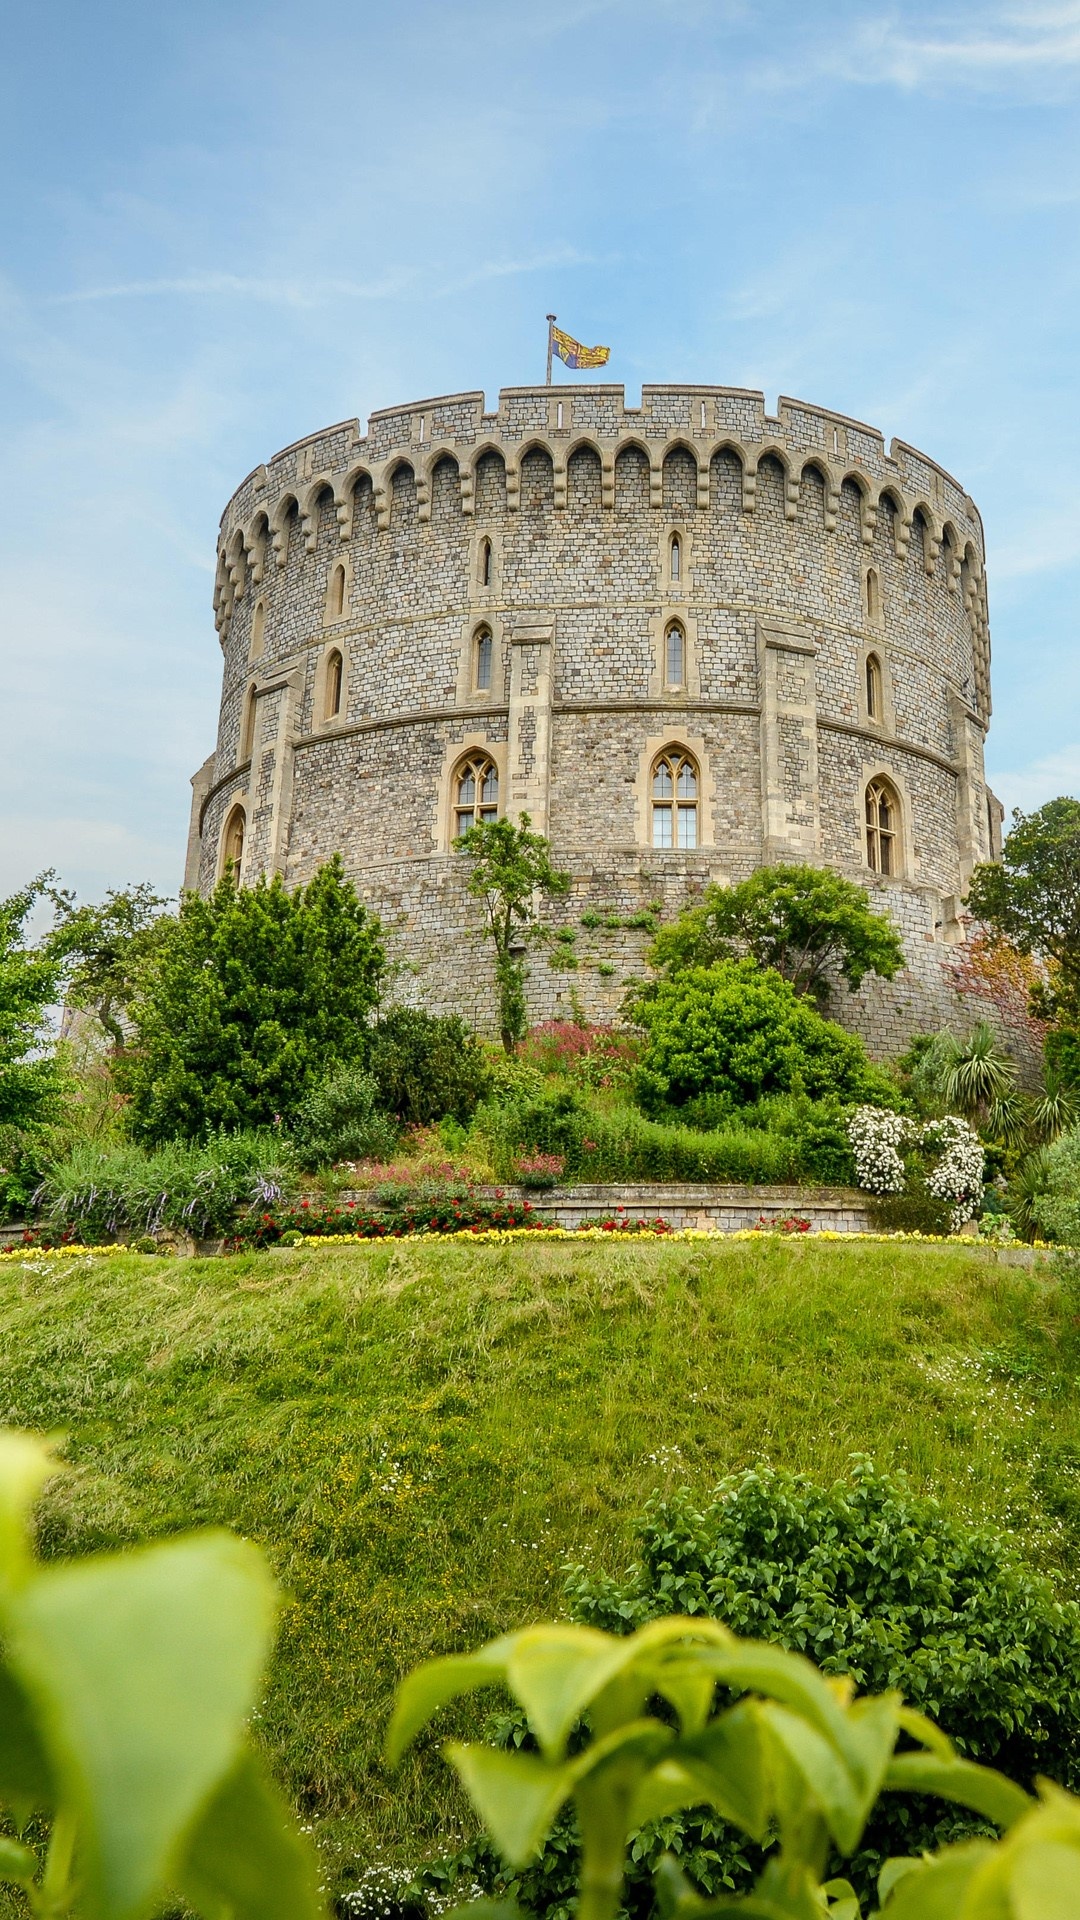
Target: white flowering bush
{"points": [[958, 1175], [950, 1149], [876, 1137]]}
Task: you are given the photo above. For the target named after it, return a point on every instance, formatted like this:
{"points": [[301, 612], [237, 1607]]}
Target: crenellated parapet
{"points": [[705, 422]]}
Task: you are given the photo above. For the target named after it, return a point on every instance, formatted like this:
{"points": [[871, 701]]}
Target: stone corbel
{"points": [[423, 495], [559, 475], [467, 481], [513, 486], [382, 497], [792, 491], [343, 511], [749, 488], [703, 487], [607, 479], [832, 505], [901, 535], [869, 520], [656, 483]]}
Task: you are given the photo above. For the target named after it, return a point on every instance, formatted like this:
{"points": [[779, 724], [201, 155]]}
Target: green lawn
{"points": [[422, 1435]]}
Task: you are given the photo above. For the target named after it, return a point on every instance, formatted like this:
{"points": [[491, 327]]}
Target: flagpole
{"points": [[551, 322]]}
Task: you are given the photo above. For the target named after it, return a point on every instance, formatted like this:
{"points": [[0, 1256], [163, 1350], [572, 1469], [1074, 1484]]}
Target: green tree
{"points": [[101, 949], [808, 924], [510, 866], [740, 1030], [427, 1066], [1033, 895], [245, 1001], [29, 985]]}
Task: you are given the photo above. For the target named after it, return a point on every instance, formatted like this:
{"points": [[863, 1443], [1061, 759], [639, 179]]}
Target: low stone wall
{"points": [[719, 1209]]}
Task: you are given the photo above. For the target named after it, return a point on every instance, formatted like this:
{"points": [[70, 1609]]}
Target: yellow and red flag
{"points": [[573, 354]]}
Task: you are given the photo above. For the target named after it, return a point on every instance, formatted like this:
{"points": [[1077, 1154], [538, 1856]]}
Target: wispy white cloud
{"points": [[1042, 780], [279, 293], [995, 48], [317, 291]]}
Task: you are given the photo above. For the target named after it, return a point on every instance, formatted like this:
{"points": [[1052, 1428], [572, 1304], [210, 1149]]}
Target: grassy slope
{"points": [[422, 1435]]}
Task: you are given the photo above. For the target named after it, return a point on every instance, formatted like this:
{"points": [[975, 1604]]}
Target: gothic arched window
{"points": [[485, 563], [882, 827], [335, 668], [482, 653], [673, 788], [674, 655], [675, 557], [476, 792], [873, 687], [336, 603], [232, 841]]}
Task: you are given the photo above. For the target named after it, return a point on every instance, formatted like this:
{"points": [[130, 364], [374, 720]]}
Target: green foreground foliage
{"points": [[423, 1436], [629, 1735], [126, 1683]]}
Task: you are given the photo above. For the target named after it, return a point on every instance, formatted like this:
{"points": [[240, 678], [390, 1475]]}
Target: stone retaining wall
{"points": [[721, 1209]]}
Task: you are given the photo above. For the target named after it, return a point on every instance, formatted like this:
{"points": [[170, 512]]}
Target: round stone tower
{"points": [[686, 638]]}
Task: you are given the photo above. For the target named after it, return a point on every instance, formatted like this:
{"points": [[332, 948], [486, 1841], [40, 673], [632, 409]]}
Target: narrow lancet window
{"points": [[485, 563], [873, 687], [676, 560], [674, 655], [335, 667], [873, 595], [483, 650], [337, 593]]}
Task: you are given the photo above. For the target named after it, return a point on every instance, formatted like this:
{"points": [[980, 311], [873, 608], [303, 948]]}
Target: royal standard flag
{"points": [[573, 354]]}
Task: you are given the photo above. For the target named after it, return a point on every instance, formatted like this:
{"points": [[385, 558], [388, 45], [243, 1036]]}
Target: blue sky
{"points": [[225, 225]]}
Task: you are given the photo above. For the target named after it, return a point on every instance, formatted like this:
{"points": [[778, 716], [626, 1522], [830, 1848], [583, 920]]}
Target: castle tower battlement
{"points": [[567, 607]]}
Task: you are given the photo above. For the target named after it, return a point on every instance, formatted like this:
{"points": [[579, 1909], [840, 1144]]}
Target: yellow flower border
{"points": [[546, 1236]]}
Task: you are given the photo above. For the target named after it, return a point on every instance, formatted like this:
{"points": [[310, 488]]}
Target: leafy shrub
{"points": [[340, 1119], [866, 1579], [736, 1029], [23, 1154], [1062, 1049], [427, 1066], [1054, 1202], [181, 1188], [913, 1211]]}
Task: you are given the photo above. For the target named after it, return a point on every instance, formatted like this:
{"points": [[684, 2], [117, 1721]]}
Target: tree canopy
{"points": [[245, 1000], [810, 925], [510, 866], [29, 985], [101, 949], [1032, 895]]}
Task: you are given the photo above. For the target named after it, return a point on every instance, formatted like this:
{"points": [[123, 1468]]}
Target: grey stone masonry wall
{"points": [[355, 572], [712, 1209]]}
